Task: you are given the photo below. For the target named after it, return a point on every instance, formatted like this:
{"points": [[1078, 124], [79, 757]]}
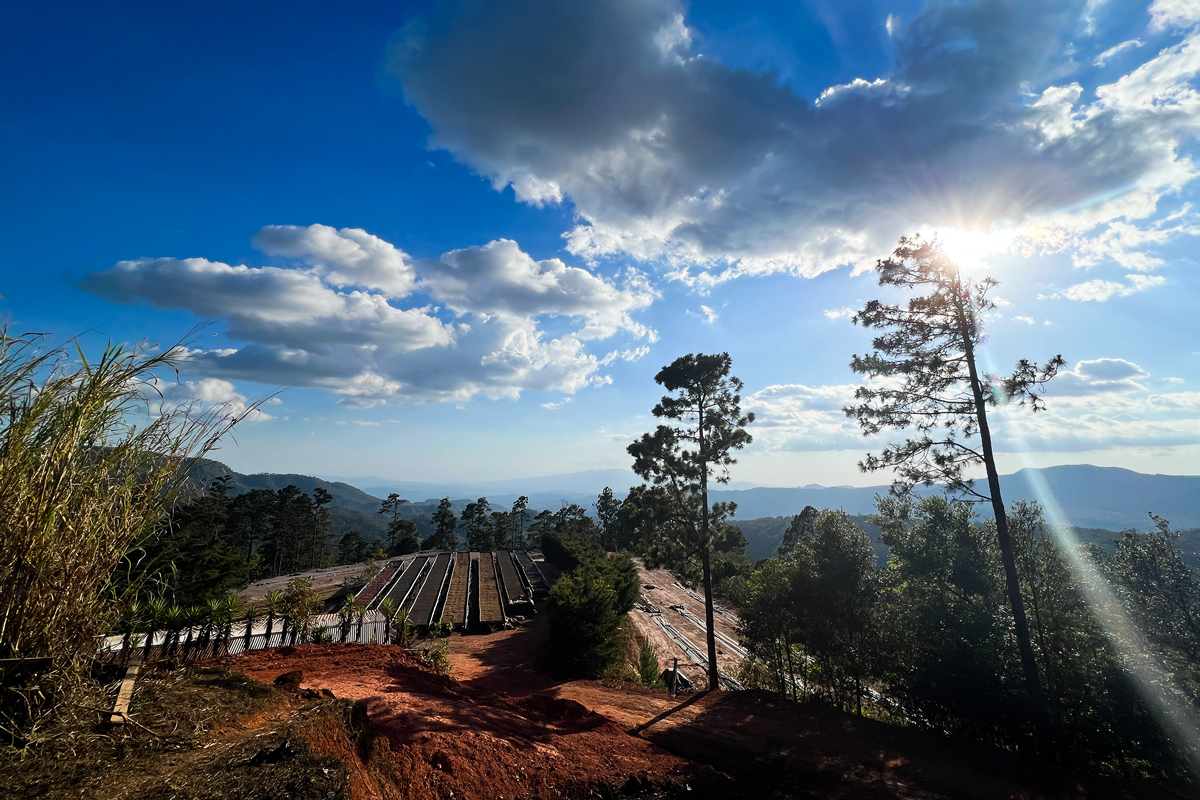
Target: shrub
{"points": [[588, 603], [649, 670], [437, 656], [584, 620]]}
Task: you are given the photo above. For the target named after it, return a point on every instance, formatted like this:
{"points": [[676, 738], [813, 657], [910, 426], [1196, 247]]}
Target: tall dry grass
{"points": [[90, 460]]}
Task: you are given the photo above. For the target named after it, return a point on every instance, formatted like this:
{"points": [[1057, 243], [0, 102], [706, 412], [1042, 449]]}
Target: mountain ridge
{"points": [[1110, 498]]}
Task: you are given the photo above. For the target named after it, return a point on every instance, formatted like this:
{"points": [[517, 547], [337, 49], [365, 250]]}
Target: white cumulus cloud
{"points": [[353, 315], [718, 172], [1101, 290], [207, 394], [346, 257]]}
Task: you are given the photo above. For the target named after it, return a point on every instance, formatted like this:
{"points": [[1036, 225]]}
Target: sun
{"points": [[970, 249]]}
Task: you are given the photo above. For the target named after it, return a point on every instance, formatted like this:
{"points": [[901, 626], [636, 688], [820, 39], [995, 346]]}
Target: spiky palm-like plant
{"points": [[130, 619], [194, 616], [250, 617], [154, 619], [271, 604], [212, 613], [232, 607], [388, 609], [346, 615], [174, 621]]}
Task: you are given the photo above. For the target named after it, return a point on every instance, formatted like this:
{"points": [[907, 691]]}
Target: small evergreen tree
{"points": [[445, 523], [478, 525], [520, 522], [608, 513]]}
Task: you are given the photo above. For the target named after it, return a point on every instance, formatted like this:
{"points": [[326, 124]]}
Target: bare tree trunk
{"points": [[791, 672], [1033, 685], [714, 676]]}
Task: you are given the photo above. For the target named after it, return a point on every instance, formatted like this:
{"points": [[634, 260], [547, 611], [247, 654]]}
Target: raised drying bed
{"points": [[402, 588], [454, 612], [490, 610], [516, 601], [368, 592], [537, 581], [430, 592]]}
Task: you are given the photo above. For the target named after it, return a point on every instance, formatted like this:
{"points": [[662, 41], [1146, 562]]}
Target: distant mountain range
{"points": [[1089, 497], [543, 491], [1107, 498]]}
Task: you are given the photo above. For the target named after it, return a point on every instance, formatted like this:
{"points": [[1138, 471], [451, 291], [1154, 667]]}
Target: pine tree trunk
{"points": [[1033, 685], [714, 676]]}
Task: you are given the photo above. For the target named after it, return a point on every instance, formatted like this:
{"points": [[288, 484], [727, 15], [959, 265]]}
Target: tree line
{"points": [[929, 640], [210, 543]]}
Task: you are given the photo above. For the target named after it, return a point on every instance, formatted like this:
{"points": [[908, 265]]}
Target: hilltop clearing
{"points": [[371, 721]]}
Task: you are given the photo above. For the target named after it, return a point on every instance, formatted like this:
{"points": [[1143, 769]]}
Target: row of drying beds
{"points": [[462, 590]]}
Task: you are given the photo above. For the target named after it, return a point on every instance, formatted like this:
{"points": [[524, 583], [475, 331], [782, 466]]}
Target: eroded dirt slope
{"points": [[455, 739]]}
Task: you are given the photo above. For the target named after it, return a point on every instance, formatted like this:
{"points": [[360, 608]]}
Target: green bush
{"points": [[584, 620], [587, 604], [649, 670], [567, 550]]}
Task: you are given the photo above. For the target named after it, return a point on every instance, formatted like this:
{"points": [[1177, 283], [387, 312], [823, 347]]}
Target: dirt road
{"points": [[668, 597]]}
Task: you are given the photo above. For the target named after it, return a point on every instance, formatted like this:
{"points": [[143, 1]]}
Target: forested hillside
{"points": [[765, 534]]}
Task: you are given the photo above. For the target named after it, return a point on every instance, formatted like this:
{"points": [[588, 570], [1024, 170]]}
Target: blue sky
{"points": [[464, 236]]}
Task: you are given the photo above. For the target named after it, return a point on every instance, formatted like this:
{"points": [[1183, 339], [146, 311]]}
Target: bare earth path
{"points": [[502, 728], [768, 745]]}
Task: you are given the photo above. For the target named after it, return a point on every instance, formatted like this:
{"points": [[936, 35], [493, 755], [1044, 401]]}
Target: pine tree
{"points": [[929, 346], [680, 459]]}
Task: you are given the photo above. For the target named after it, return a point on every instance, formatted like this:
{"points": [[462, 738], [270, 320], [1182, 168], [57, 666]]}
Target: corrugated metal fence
{"points": [[199, 643]]}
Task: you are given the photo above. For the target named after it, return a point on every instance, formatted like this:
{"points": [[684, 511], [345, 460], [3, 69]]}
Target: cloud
{"points": [[1115, 50], [1125, 243], [717, 172], [705, 313], [498, 278], [272, 306], [553, 406], [207, 394], [796, 417], [1173, 14], [839, 313], [1101, 290], [1099, 405], [633, 354], [346, 257], [300, 324], [1102, 421], [1098, 376], [1026, 320]]}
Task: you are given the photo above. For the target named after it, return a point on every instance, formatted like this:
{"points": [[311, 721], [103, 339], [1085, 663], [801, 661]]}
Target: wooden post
{"points": [[675, 679], [125, 694]]}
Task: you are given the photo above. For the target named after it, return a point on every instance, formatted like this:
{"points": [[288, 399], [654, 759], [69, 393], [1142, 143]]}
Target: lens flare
{"points": [[1179, 719]]}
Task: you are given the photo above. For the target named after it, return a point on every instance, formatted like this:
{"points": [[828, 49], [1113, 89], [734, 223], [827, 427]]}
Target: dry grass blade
{"points": [[90, 458]]}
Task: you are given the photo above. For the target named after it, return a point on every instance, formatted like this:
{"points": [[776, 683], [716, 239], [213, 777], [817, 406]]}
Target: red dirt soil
{"points": [[552, 738], [453, 739]]}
